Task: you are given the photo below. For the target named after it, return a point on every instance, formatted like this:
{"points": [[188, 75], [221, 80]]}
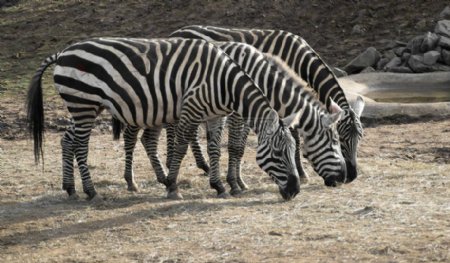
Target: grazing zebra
{"points": [[147, 83], [287, 94], [304, 61]]}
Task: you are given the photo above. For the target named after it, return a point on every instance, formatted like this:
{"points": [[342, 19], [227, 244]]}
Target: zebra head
{"points": [[351, 133], [322, 148], [275, 155]]}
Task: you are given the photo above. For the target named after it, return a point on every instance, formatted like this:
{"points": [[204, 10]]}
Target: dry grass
{"points": [[396, 211]]}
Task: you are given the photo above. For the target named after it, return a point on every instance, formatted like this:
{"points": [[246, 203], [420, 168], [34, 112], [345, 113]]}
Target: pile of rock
{"points": [[424, 53]]}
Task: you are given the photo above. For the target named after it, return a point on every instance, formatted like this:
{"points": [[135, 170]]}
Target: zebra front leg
{"points": [[304, 178], [170, 136], [198, 154], [150, 141], [242, 143], [235, 129], [214, 137], [184, 134], [130, 137], [68, 180]]}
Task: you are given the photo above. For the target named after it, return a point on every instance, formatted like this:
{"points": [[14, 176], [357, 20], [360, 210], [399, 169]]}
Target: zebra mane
{"points": [[290, 73]]}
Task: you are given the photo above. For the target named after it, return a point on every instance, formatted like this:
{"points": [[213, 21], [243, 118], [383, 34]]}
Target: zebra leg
{"points": [[235, 129], [81, 149], [68, 156], [304, 178], [130, 137], [198, 154], [170, 135], [240, 154], [184, 134], [214, 136], [150, 141]]}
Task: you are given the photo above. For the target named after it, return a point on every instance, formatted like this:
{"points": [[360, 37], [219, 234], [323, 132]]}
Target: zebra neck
{"points": [[308, 120], [310, 67]]}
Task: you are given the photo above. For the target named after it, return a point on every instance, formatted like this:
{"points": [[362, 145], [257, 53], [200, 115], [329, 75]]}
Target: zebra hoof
{"points": [[97, 199], [235, 192], [91, 195], [133, 188], [174, 195], [73, 197], [223, 195], [243, 187]]}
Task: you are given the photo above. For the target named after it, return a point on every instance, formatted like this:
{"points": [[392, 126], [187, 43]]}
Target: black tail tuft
{"points": [[35, 115], [116, 128]]}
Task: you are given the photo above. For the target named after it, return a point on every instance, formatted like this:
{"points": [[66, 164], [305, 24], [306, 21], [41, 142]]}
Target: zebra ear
{"points": [[334, 108], [359, 106], [290, 120], [329, 119]]}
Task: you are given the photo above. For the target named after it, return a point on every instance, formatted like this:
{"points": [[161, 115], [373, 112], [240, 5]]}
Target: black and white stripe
{"points": [[307, 64], [288, 95], [147, 83]]}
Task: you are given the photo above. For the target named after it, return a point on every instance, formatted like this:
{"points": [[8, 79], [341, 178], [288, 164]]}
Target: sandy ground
{"points": [[398, 210]]}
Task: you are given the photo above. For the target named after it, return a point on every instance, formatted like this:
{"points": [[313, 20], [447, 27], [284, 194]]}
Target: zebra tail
{"points": [[35, 107], [116, 128]]}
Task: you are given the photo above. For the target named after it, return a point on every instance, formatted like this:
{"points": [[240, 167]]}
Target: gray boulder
{"points": [[444, 42], [445, 14], [429, 42], [415, 44], [368, 58], [445, 57], [440, 67], [368, 70], [443, 28], [399, 51], [339, 72], [394, 62], [401, 69], [416, 63], [382, 63], [431, 57], [406, 56], [390, 54]]}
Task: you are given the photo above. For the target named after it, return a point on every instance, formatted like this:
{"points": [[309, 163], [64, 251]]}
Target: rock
{"points": [[368, 58], [394, 62], [444, 42], [421, 24], [429, 42], [440, 67], [339, 72], [431, 57], [357, 29], [401, 69], [382, 63], [399, 51], [445, 57], [414, 44], [445, 14], [390, 54], [368, 70], [415, 62], [443, 28], [406, 56]]}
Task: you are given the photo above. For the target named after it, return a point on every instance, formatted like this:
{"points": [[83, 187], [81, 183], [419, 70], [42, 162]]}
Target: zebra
{"points": [[149, 82], [288, 95], [307, 64]]}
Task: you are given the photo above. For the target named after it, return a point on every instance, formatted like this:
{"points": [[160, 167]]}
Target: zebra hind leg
{"points": [[130, 137], [235, 129], [150, 141], [198, 154], [68, 156]]}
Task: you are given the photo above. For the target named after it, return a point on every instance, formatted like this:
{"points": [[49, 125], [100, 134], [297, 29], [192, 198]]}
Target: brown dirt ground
{"points": [[398, 210]]}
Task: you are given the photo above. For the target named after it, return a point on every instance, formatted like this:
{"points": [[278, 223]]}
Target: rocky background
{"points": [[424, 53]]}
